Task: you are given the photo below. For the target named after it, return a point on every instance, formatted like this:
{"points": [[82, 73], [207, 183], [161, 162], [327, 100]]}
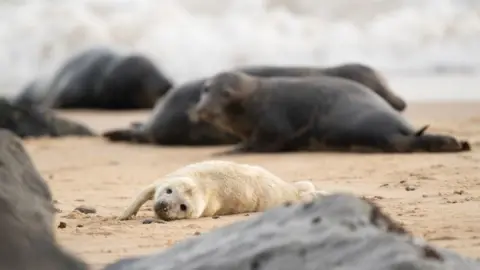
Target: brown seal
{"points": [[322, 114]]}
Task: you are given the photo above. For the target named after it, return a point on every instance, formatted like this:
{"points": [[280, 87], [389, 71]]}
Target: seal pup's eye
{"points": [[168, 191], [183, 207]]}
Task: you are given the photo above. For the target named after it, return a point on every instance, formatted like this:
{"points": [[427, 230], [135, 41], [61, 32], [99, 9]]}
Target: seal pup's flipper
{"points": [[141, 198]]}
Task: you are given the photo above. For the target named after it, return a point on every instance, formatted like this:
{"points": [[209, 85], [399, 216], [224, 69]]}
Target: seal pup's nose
{"points": [[160, 207]]}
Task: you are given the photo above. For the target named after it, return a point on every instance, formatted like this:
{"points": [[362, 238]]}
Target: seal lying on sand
{"points": [[354, 71], [33, 122], [216, 187], [99, 78], [322, 114], [169, 123]]}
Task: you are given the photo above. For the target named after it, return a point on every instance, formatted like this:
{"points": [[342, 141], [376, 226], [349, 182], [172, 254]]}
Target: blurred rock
{"points": [[26, 227], [339, 231]]}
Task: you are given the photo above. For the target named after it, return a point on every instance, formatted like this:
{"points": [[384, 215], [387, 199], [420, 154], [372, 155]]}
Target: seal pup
{"points": [[217, 187], [321, 114], [357, 72]]}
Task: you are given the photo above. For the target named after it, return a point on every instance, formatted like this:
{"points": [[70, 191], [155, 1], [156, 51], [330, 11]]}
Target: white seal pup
{"points": [[215, 187]]}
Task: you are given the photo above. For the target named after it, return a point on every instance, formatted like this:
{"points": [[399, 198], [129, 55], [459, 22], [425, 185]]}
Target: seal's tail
{"points": [[431, 143], [125, 135]]}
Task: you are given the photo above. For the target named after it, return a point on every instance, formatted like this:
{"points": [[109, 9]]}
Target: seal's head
{"points": [[223, 94], [177, 199]]}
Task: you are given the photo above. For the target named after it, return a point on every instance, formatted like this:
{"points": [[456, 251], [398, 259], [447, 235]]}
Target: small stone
{"points": [[247, 215], [86, 209], [196, 233], [62, 225], [79, 225], [79, 200], [215, 217], [58, 210], [459, 192], [409, 188], [403, 182], [55, 201], [424, 195]]}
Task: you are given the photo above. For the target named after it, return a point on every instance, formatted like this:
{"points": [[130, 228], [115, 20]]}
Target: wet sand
{"points": [[442, 204]]}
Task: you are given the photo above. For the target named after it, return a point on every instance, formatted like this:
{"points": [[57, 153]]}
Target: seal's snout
{"points": [[161, 207]]}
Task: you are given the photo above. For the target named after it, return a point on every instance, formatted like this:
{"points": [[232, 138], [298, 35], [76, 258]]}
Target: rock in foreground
{"points": [[27, 121], [26, 210], [337, 232]]}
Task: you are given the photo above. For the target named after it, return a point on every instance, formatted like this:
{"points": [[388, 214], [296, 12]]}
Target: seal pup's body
{"points": [[215, 187]]}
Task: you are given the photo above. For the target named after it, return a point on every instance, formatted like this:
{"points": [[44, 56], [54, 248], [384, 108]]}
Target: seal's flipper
{"points": [[421, 131], [429, 143], [142, 197], [128, 135]]}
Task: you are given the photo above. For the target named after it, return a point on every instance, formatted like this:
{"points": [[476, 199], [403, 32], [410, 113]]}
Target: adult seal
{"points": [[358, 72], [322, 114], [169, 123], [99, 78]]}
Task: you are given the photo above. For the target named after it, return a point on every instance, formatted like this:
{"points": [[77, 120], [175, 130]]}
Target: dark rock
{"points": [[26, 227], [62, 225], [34, 122], [410, 188], [86, 209], [339, 231]]}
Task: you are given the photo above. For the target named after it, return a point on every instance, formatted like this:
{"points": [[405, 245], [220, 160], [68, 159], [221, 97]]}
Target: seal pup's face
{"points": [[174, 200], [223, 95]]}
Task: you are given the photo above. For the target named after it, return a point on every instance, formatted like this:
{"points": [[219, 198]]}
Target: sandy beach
{"points": [[436, 196]]}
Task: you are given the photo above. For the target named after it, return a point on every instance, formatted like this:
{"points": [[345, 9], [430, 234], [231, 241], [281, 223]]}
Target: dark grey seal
{"points": [[358, 72], [321, 114], [169, 124], [99, 78], [27, 121]]}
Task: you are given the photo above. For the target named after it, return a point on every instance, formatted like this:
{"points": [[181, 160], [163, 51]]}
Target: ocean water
{"points": [[410, 40]]}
